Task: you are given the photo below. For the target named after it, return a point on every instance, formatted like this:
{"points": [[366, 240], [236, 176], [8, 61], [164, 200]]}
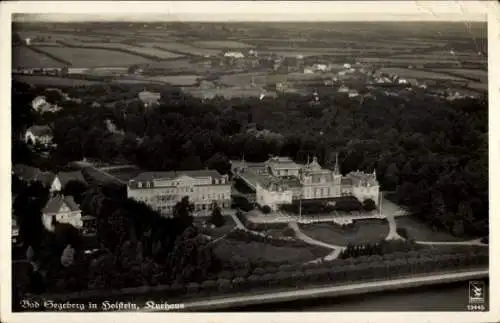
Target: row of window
{"points": [[214, 182]]}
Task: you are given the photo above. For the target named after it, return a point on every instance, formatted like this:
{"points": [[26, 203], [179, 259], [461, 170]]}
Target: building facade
{"points": [[38, 135], [162, 190], [280, 181], [61, 209]]}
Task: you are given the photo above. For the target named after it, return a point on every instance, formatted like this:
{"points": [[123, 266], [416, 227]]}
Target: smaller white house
{"points": [[343, 89], [347, 66], [308, 70], [234, 54], [149, 98], [353, 93], [27, 41], [320, 67], [39, 104], [61, 209], [39, 135]]}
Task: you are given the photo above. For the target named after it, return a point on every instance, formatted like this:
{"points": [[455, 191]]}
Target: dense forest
{"points": [[432, 153]]}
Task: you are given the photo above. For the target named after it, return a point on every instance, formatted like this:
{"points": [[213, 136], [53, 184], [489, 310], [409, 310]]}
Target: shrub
{"points": [[369, 205], [266, 209]]}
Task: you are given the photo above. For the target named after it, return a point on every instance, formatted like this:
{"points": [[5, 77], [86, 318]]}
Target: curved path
{"points": [[307, 239], [393, 233]]}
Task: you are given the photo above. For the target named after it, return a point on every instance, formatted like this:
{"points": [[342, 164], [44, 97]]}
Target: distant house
{"points": [[347, 66], [39, 104], [320, 67], [63, 178], [343, 89], [41, 135], [149, 98], [234, 54], [15, 230], [61, 209], [308, 70], [353, 93]]}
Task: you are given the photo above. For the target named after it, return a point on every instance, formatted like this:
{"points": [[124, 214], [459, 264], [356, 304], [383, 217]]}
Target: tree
{"points": [[183, 211], [68, 256], [369, 205], [219, 162], [216, 218], [75, 189], [266, 209]]}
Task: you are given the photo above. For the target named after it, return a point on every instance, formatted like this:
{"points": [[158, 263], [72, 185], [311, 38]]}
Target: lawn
{"points": [[364, 231], [420, 231], [475, 73], [25, 57], [228, 250], [91, 57]]}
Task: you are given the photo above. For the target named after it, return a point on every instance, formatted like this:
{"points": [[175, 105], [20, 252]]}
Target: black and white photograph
{"points": [[242, 158]]}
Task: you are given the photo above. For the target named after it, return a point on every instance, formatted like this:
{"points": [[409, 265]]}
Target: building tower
{"points": [[336, 169]]}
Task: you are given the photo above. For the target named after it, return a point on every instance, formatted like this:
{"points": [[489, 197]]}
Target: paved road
{"points": [[116, 167], [475, 242], [336, 290], [393, 233]]}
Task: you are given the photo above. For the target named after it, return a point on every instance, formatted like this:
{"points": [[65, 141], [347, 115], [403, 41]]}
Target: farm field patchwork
{"points": [[52, 80], [222, 44], [182, 80], [480, 74], [150, 51], [183, 48], [364, 231], [407, 61], [25, 57], [87, 57], [411, 73]]}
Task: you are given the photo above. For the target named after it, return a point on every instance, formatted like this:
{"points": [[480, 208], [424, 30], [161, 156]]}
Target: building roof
{"points": [[55, 203], [149, 176], [39, 131], [29, 173], [65, 177], [282, 162], [148, 97]]}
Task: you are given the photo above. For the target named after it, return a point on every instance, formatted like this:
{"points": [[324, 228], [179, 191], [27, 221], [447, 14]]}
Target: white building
{"points": [[61, 209], [162, 190], [38, 135], [273, 194], [308, 70], [361, 185], [320, 67], [280, 181], [234, 54]]}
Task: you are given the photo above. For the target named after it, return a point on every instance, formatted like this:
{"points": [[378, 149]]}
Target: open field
{"points": [[228, 249], [420, 231], [483, 87], [364, 231], [411, 73], [139, 50], [475, 73], [407, 61], [228, 93], [183, 48], [181, 80], [91, 57], [52, 80], [25, 57], [222, 44]]}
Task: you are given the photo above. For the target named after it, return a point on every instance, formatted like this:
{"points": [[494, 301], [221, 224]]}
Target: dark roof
{"points": [[40, 130], [55, 203], [65, 177], [148, 176], [29, 173], [26, 172]]}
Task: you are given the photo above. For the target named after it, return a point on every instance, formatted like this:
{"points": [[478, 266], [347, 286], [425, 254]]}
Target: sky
{"points": [[251, 10]]}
